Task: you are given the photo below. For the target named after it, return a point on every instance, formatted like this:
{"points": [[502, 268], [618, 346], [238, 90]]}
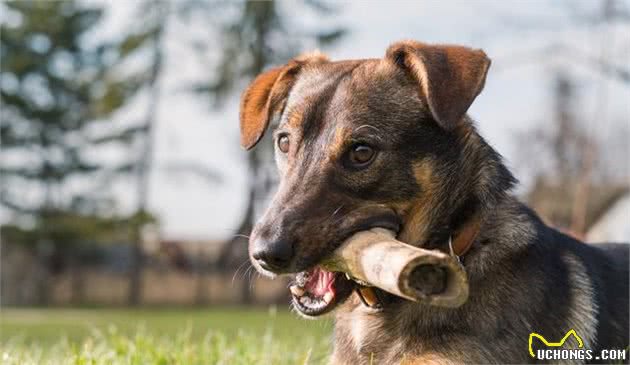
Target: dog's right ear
{"points": [[266, 95], [260, 100]]}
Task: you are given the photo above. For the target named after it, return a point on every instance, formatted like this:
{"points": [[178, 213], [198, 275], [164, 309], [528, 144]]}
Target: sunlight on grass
{"points": [[164, 337]]}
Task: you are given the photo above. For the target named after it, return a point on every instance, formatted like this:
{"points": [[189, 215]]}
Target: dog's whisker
{"points": [[244, 273], [337, 220], [336, 211], [252, 280], [239, 269], [346, 215], [366, 126], [248, 270]]}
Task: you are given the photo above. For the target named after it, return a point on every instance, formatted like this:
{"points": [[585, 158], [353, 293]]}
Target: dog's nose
{"points": [[273, 255]]}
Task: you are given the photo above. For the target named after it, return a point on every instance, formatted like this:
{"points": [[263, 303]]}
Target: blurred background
{"points": [[122, 179]]}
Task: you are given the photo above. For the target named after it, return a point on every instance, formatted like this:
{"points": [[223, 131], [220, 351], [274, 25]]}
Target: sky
{"points": [[516, 97]]}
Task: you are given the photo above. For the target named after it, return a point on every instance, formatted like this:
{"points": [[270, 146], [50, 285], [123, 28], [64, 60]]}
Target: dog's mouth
{"points": [[317, 291]]}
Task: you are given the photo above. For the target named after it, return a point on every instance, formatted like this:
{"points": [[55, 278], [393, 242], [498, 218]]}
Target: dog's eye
{"points": [[283, 143], [360, 155]]}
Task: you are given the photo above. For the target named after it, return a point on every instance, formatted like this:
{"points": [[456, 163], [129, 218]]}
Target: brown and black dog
{"points": [[387, 143]]}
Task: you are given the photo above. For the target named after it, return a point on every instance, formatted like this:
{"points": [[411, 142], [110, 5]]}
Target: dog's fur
{"points": [[431, 175]]}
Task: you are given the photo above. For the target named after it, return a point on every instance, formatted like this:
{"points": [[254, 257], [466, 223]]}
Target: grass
{"points": [[164, 336]]}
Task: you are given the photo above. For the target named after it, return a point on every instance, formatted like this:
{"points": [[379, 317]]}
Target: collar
{"points": [[464, 238]]}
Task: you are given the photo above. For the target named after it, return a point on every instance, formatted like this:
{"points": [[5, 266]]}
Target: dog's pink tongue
{"points": [[320, 282]]}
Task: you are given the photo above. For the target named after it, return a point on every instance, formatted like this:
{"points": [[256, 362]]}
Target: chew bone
{"points": [[378, 259]]}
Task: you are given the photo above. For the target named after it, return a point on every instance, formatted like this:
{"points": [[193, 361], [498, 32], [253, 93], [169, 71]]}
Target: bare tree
{"points": [[569, 143], [147, 36]]}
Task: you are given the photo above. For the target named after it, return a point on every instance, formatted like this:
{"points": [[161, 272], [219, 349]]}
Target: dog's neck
{"points": [[475, 185]]}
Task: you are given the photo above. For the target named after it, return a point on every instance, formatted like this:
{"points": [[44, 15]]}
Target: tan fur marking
{"points": [[296, 118], [418, 211], [336, 146]]}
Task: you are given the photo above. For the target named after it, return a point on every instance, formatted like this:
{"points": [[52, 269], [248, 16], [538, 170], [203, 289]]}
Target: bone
{"points": [[376, 258]]}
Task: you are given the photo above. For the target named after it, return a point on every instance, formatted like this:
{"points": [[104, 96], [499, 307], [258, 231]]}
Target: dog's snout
{"points": [[274, 256]]}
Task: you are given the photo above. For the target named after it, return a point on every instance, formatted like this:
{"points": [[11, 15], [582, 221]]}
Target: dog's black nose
{"points": [[273, 255]]}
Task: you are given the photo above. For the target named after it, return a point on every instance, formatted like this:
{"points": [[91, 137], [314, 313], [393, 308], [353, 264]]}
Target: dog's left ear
{"points": [[450, 77]]}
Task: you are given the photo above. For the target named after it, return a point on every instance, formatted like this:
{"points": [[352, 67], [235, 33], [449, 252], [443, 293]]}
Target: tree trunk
{"points": [[200, 267], [76, 278], [146, 160], [135, 272], [42, 276]]}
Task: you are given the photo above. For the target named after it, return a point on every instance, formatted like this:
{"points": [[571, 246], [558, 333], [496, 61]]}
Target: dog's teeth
{"points": [[296, 290], [305, 300], [328, 297]]}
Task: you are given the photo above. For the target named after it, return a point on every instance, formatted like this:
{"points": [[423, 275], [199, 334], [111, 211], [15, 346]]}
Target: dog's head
{"points": [[359, 144]]}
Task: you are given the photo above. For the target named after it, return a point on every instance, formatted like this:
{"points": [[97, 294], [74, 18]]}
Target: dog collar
{"points": [[465, 238], [375, 298]]}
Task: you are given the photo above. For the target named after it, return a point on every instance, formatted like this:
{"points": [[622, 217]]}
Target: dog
{"points": [[387, 143]]}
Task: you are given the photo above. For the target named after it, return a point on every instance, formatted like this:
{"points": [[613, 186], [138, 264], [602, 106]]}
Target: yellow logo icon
{"points": [[553, 344]]}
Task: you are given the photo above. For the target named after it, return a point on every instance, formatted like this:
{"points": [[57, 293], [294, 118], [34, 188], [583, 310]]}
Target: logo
{"points": [[554, 353], [553, 344]]}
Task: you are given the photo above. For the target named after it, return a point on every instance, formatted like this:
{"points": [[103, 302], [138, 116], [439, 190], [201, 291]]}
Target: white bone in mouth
{"points": [[376, 258]]}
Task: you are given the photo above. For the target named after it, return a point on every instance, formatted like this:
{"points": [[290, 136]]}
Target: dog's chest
{"points": [[365, 336]]}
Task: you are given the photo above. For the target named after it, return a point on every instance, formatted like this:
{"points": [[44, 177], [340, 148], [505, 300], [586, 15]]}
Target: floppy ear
{"points": [[266, 95], [450, 77], [259, 101]]}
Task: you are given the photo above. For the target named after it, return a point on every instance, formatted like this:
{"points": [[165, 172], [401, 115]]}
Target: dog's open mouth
{"points": [[317, 291]]}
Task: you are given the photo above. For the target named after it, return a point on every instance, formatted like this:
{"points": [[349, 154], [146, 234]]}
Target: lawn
{"points": [[161, 336]]}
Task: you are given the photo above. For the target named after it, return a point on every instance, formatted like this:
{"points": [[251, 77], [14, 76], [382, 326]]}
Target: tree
{"points": [[252, 35], [57, 92], [577, 174], [573, 185], [147, 37]]}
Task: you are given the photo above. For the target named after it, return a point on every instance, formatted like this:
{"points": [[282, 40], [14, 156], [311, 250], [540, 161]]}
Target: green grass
{"points": [[161, 336]]}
